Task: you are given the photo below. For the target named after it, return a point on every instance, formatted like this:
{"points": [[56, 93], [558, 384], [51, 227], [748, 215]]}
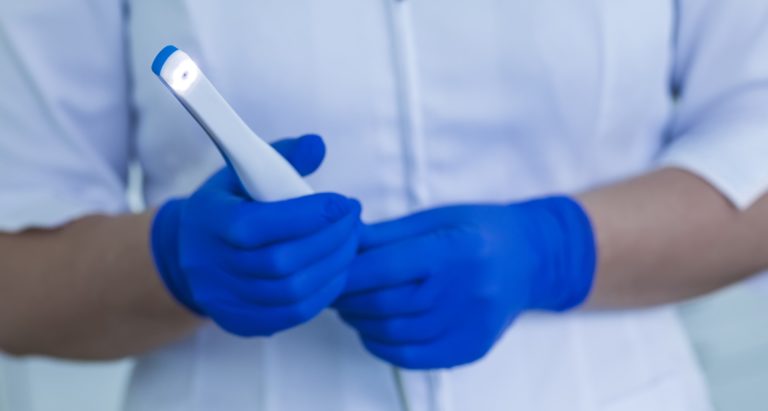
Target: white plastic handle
{"points": [[264, 173]]}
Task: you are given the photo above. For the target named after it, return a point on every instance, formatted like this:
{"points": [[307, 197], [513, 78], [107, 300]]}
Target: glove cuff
{"points": [[565, 231], [165, 252]]}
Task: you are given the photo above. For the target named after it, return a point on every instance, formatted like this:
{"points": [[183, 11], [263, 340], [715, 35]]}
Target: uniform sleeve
{"points": [[720, 126], [64, 112]]}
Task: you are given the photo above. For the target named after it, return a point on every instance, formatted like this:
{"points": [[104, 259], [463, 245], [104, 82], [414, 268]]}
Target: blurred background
{"points": [[729, 332]]}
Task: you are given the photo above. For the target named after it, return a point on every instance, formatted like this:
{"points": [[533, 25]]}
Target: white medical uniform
{"points": [[422, 103]]}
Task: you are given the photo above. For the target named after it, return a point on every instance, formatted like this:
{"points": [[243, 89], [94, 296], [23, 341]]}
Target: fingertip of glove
{"points": [[337, 206], [355, 205], [313, 139], [310, 149]]}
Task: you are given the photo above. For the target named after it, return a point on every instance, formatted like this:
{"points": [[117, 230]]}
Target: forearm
{"points": [[88, 290], [668, 236]]}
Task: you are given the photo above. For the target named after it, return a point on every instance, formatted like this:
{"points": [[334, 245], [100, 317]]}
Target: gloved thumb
{"points": [[305, 153]]}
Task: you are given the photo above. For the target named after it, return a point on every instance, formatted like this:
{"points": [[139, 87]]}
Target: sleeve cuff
{"points": [[735, 164], [45, 211]]}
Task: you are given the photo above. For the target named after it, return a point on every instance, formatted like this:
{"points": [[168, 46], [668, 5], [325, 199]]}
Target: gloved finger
{"points": [[249, 320], [255, 224], [297, 287], [409, 299], [412, 259], [414, 329], [458, 347], [285, 258], [390, 266], [223, 185], [305, 153], [376, 235]]}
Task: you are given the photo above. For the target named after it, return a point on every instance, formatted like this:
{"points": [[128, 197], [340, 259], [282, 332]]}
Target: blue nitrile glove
{"points": [[437, 289], [257, 268]]}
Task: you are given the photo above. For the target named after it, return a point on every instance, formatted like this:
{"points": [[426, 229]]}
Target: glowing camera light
{"points": [[184, 76]]}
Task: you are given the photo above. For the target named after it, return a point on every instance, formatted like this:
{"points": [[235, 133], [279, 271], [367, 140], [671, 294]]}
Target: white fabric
{"points": [[720, 128], [64, 118], [422, 103]]}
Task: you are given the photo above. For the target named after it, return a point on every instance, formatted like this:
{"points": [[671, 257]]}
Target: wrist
{"points": [[164, 241], [563, 236]]}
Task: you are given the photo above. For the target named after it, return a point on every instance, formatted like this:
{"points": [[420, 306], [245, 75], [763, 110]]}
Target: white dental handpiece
{"points": [[263, 172]]}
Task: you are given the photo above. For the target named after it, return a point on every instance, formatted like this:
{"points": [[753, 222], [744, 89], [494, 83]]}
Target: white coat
{"points": [[422, 103]]}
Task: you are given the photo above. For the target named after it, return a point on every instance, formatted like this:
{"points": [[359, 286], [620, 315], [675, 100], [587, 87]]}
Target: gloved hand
{"points": [[257, 268], [437, 289]]}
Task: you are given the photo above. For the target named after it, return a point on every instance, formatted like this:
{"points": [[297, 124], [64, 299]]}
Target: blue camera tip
{"points": [[161, 58]]}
